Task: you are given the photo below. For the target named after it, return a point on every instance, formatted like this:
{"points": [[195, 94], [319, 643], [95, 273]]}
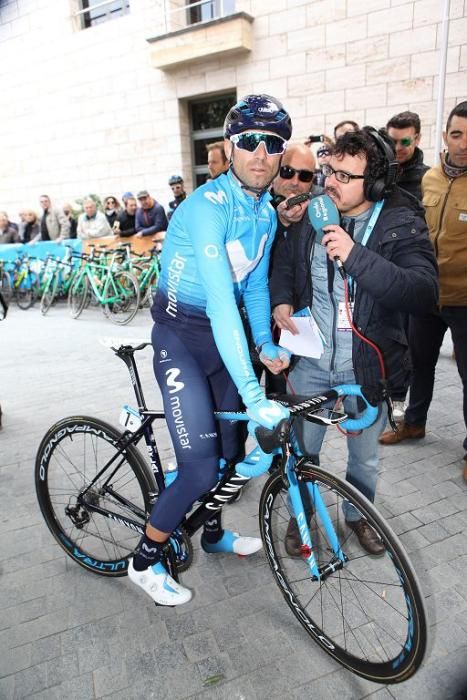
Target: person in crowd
{"points": [[31, 230], [22, 222], [68, 211], [405, 130], [323, 156], [126, 196], [217, 160], [343, 127], [211, 259], [8, 234], [178, 191], [125, 223], [112, 208], [444, 189], [55, 226], [382, 243], [150, 215], [92, 223]]}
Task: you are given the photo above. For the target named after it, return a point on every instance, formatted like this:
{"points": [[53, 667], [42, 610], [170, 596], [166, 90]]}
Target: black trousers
{"points": [[426, 335]]}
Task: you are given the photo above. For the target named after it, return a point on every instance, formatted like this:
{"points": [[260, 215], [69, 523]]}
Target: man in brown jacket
{"points": [[445, 199]]}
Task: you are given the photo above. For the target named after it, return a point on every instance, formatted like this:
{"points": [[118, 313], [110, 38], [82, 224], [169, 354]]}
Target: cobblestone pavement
{"points": [[66, 633]]}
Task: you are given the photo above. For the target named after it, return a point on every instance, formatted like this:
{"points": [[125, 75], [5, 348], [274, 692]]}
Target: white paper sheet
{"points": [[307, 342]]}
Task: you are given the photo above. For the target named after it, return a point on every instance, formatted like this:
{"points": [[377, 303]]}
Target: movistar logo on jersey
{"points": [[175, 269], [219, 197], [172, 375], [239, 262]]}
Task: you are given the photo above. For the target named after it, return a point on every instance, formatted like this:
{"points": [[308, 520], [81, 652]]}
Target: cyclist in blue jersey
{"points": [[216, 255]]}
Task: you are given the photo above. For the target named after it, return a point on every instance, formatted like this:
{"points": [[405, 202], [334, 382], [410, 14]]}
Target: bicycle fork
{"points": [[318, 573]]}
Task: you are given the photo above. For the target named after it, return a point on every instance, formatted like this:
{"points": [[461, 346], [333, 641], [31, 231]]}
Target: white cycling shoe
{"points": [[159, 585], [233, 543]]}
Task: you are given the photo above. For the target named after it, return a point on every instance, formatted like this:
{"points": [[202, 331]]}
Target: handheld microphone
{"points": [[323, 212]]}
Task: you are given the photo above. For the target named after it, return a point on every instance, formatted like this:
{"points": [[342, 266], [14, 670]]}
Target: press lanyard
{"points": [[366, 236]]}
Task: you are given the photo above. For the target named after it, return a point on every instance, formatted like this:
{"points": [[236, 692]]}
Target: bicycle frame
{"points": [[226, 488]]}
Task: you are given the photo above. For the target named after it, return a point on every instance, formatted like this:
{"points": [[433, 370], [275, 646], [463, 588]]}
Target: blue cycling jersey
{"points": [[216, 252]]}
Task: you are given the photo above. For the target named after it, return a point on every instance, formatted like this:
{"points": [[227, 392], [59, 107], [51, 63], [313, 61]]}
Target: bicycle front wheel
{"points": [[78, 295], [49, 293], [368, 615], [25, 292], [124, 290], [94, 512], [5, 286]]}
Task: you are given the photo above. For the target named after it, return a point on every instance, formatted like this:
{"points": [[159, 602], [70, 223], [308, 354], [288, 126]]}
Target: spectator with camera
{"points": [[405, 130], [382, 243]]}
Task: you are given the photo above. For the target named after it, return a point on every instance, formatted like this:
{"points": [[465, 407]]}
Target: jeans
{"points": [[309, 378], [426, 335]]}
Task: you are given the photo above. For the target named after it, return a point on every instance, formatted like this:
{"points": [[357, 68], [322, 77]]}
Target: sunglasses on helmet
{"points": [[249, 141], [287, 173]]}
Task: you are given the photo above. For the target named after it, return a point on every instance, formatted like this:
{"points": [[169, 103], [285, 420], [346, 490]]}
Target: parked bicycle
{"points": [[25, 282], [115, 290], [96, 491]]}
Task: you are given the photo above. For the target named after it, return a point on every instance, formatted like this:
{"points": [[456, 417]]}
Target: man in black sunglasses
{"points": [[295, 175], [405, 130]]}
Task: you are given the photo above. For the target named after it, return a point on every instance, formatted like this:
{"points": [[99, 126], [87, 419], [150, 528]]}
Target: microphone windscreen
{"points": [[322, 212]]}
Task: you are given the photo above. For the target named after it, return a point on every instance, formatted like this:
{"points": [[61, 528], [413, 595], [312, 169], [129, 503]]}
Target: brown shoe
{"points": [[404, 432], [292, 540], [367, 537]]}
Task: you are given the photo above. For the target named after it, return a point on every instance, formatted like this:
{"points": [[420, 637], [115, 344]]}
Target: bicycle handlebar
{"points": [[259, 460]]}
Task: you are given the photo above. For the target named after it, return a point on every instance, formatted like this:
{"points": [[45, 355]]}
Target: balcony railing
{"points": [[179, 14]]}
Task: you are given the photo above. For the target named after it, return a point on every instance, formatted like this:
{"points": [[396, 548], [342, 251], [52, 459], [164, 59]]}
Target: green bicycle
{"points": [[114, 289]]}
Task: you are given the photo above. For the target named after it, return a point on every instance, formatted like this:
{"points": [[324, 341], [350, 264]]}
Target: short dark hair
{"points": [[404, 120], [217, 145], [459, 110], [360, 143], [346, 121]]}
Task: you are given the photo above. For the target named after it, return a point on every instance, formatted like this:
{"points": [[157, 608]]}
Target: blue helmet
{"points": [[258, 112]]}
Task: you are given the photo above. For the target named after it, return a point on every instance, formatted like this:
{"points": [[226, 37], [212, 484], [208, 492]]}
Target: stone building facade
{"points": [[119, 105]]}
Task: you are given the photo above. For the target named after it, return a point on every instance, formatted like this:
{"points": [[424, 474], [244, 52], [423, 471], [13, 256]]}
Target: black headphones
{"points": [[383, 186]]}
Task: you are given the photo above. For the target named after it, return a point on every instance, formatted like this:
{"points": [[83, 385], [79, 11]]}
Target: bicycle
{"points": [[96, 491], [25, 282], [115, 290], [58, 279]]}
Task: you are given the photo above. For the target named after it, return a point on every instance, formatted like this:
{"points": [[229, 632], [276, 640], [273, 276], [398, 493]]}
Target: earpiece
{"points": [[383, 186]]}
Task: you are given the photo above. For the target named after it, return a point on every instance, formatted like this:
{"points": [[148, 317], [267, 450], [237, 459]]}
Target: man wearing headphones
{"points": [[390, 271]]}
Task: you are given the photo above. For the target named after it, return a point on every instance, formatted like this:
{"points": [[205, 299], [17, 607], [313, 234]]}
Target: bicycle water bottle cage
{"points": [[270, 440]]}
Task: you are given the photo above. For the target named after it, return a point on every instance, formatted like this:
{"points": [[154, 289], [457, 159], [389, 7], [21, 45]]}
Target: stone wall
{"points": [[84, 111]]}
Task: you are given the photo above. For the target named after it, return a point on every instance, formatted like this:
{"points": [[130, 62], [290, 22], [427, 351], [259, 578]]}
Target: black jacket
{"points": [[395, 275], [127, 224], [411, 173]]}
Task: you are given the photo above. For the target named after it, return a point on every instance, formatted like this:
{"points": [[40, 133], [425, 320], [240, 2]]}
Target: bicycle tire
{"points": [[5, 286], [69, 457], [78, 295], [124, 309], [380, 631], [25, 292], [49, 293], [147, 295]]}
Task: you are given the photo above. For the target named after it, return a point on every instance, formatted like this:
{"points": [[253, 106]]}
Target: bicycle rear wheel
{"points": [[70, 457], [369, 615], [78, 295], [125, 305]]}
